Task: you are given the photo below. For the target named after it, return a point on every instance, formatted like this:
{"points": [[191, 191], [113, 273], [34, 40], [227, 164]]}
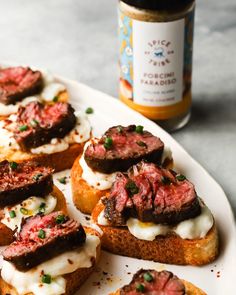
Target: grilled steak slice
{"points": [[21, 181], [154, 282], [121, 147], [42, 238], [151, 194], [17, 83], [37, 124]]}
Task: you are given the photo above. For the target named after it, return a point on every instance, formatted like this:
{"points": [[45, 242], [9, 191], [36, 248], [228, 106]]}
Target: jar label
{"points": [[151, 61], [158, 51]]}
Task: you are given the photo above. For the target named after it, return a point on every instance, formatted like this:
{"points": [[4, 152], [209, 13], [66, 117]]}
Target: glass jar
{"points": [[155, 45]]}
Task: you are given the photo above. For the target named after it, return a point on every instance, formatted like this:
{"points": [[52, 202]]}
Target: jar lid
{"points": [[158, 4]]}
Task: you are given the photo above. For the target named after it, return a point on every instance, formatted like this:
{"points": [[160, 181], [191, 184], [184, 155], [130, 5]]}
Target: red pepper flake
{"points": [[87, 218], [70, 261]]}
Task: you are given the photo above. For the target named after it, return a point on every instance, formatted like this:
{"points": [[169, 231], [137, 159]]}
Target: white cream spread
{"points": [[194, 228], [103, 181], [68, 262], [98, 180], [32, 206], [51, 89], [80, 133]]}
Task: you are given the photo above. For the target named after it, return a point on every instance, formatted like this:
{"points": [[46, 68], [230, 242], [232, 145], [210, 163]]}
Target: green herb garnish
{"points": [[41, 234], [13, 165], [24, 211], [12, 214], [46, 279], [108, 143], [36, 177], [55, 98], [34, 123], [148, 277], [23, 128], [42, 208], [140, 288], [132, 188], [180, 177], [89, 111], [119, 129], [165, 180], [62, 180], [60, 219], [141, 143], [139, 129]]}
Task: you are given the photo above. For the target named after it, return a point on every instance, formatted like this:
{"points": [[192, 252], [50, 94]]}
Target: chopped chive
{"points": [[23, 128], [55, 98], [62, 180], [165, 180], [119, 129], [24, 211], [140, 288], [148, 277], [34, 123], [141, 143], [139, 129], [60, 219], [13, 165], [12, 214], [180, 177], [36, 177], [42, 208], [89, 111], [46, 279], [41, 234], [132, 188], [108, 143]]}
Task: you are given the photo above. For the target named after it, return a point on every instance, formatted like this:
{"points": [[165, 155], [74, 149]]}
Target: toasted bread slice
{"points": [[170, 249], [7, 235], [190, 289], [74, 280], [59, 161], [85, 197]]}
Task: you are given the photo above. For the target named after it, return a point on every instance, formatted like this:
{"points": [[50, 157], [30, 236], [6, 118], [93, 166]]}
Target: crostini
{"points": [[155, 214], [52, 135], [118, 149], [159, 283], [20, 85], [53, 254], [25, 190]]}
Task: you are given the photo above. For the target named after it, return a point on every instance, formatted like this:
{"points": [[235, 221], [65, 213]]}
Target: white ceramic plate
{"points": [[114, 271]]}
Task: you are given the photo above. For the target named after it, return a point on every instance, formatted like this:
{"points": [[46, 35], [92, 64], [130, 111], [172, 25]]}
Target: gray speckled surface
{"points": [[78, 39]]}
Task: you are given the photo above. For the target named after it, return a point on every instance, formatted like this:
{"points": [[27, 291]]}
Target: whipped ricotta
{"points": [[68, 262], [32, 206], [194, 228]]}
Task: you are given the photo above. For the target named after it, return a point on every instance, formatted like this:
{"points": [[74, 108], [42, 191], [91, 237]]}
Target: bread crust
{"points": [[74, 280], [85, 197], [170, 249], [58, 161], [190, 289], [7, 235]]}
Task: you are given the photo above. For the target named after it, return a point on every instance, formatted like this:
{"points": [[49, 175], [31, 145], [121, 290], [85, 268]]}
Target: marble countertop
{"points": [[78, 39]]}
